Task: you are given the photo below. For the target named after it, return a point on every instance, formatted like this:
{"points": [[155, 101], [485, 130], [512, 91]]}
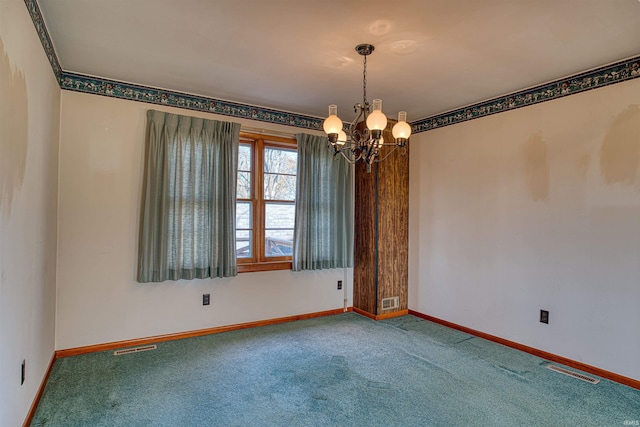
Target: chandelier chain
{"points": [[364, 82]]}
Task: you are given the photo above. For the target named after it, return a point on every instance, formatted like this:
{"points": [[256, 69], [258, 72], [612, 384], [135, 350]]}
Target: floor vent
{"points": [[573, 374], [389, 303], [134, 350]]}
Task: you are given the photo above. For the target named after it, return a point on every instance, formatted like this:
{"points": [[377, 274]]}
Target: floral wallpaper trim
{"points": [[115, 89], [43, 34], [615, 73]]}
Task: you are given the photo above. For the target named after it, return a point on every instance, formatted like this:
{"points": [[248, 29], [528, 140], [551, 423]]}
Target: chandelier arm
{"points": [[356, 135], [355, 150], [378, 159], [352, 125], [370, 152], [340, 150]]}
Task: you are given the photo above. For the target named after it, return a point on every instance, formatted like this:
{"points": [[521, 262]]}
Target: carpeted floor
{"points": [[343, 370]]}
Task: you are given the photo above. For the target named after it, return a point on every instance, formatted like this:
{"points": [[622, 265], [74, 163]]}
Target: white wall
{"points": [[99, 300], [29, 128], [537, 208]]}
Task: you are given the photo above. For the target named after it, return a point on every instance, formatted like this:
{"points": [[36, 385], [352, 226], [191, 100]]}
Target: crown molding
{"points": [[603, 76]]}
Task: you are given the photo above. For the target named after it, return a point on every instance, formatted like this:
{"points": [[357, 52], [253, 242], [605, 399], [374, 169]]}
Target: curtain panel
{"points": [[188, 211], [323, 232]]}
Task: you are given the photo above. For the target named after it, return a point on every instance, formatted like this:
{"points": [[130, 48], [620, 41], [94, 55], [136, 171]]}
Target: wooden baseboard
{"points": [[36, 400], [381, 316], [190, 334], [534, 351], [392, 315]]}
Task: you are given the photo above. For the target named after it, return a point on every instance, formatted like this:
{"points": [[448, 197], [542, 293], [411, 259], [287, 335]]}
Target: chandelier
{"points": [[364, 143]]}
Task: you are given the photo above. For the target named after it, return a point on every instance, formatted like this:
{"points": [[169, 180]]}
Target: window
{"points": [[265, 209]]}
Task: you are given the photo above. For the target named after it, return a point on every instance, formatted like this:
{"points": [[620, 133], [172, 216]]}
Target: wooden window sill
{"points": [[264, 266]]}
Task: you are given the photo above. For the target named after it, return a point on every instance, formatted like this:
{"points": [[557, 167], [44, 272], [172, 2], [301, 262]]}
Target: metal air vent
{"points": [[573, 374], [390, 303], [134, 350]]}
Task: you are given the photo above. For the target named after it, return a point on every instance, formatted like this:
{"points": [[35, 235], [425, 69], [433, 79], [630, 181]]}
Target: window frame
{"points": [[258, 261]]}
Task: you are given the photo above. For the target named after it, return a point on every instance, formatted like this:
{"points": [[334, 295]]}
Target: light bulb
{"points": [[401, 129], [342, 138], [332, 124], [377, 120]]}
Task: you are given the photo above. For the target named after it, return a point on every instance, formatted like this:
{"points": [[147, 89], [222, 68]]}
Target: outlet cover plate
{"points": [[544, 316]]}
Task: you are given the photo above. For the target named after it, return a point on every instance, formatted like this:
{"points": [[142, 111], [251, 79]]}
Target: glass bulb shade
{"points": [[376, 120], [332, 124], [401, 130], [342, 138]]}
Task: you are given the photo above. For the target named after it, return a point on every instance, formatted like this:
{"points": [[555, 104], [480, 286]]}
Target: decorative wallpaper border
{"points": [[614, 73], [609, 74], [43, 34], [115, 89]]}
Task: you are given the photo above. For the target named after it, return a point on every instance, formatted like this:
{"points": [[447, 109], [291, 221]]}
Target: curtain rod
{"points": [[261, 131]]}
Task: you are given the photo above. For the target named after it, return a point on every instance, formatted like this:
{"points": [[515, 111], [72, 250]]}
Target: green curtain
{"points": [[188, 213], [323, 233]]}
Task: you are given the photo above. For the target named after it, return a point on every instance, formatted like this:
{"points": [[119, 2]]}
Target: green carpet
{"points": [[343, 370]]}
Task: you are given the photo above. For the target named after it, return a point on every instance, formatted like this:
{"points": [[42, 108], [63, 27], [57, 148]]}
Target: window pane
{"points": [[244, 185], [278, 160], [279, 215], [243, 244], [279, 219], [244, 157], [243, 215], [279, 187], [278, 242]]}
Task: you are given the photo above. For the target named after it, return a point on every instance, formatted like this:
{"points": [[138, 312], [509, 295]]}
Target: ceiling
{"points": [[430, 56]]}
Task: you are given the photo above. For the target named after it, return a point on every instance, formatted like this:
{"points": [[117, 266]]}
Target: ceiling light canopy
{"points": [[364, 142]]}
